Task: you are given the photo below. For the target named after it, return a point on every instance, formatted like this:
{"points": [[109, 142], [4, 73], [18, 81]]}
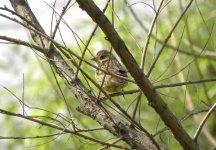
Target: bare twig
{"points": [[168, 37], [144, 51], [193, 112], [142, 81], [209, 54], [31, 137], [87, 103], [106, 147], [89, 40], [63, 130], [110, 98], [20, 42], [189, 37], [211, 110], [185, 83], [137, 106]]}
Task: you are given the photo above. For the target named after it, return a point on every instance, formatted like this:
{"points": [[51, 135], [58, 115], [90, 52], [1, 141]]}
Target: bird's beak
{"points": [[93, 59]]}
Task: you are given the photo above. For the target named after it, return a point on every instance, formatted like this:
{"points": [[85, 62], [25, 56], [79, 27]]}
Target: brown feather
{"points": [[106, 61]]}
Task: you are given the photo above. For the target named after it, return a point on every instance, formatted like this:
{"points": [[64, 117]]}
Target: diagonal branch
{"points": [[167, 38], [211, 110], [144, 50], [63, 130], [142, 81], [87, 103]]}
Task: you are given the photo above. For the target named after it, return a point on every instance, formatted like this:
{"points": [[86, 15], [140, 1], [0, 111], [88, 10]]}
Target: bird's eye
{"points": [[102, 57], [122, 73]]}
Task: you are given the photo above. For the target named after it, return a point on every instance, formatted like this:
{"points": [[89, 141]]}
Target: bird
{"points": [[105, 60]]}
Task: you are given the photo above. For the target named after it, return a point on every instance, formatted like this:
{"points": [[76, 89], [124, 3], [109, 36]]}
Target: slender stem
{"points": [[203, 122], [167, 38], [88, 42], [185, 83], [144, 51]]}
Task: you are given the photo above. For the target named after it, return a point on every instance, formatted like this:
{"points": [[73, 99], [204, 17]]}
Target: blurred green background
{"points": [[195, 35]]}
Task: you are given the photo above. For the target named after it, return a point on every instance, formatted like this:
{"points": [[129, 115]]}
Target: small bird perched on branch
{"points": [[106, 61]]}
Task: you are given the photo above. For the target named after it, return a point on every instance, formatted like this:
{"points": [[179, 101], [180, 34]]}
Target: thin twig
{"points": [[107, 95], [20, 42], [194, 112], [138, 103], [211, 110], [23, 94], [60, 18], [120, 93], [31, 137], [89, 40], [185, 83], [143, 82], [189, 37], [144, 50], [209, 54], [167, 38], [106, 147], [64, 130]]}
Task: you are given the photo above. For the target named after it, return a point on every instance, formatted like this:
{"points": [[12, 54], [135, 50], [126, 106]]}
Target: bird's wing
{"points": [[116, 68]]}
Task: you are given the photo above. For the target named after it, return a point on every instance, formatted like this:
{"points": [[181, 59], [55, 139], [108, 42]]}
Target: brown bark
{"points": [[87, 104], [142, 81]]}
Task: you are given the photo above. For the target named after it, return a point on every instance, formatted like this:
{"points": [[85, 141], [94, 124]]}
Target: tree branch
{"points": [[87, 103], [62, 129], [211, 110], [184, 83], [142, 81]]}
